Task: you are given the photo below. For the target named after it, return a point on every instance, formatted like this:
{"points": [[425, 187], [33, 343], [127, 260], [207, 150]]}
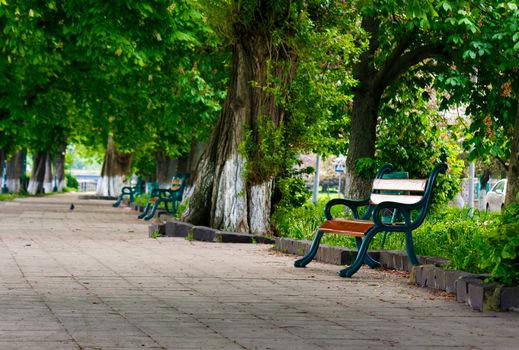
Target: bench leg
{"points": [[361, 255], [409, 247], [153, 210], [368, 260], [118, 202], [311, 253], [145, 211]]}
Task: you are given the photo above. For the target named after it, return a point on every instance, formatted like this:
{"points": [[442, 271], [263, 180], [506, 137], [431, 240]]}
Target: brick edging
{"points": [[469, 288], [173, 228]]}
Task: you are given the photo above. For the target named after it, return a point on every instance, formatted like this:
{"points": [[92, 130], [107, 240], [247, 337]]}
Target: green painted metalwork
{"points": [[167, 196], [130, 191], [376, 214], [391, 215]]}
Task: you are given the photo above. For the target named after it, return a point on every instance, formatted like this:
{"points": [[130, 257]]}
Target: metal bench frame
{"points": [[366, 227]]}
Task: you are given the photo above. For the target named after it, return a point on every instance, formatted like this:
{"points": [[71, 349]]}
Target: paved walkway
{"points": [[91, 279]]}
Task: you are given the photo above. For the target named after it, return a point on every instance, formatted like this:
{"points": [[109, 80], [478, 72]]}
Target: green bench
{"points": [[409, 200], [130, 191], [170, 196]]}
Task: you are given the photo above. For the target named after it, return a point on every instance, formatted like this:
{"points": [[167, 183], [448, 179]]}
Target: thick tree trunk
{"points": [[193, 166], [364, 115], [39, 164], [222, 197], [361, 144], [3, 170], [116, 166], [14, 172], [48, 179], [61, 182], [513, 169], [166, 169]]}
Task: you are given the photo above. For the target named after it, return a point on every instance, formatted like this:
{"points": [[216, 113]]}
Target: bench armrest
{"points": [[128, 189], [352, 204], [164, 193]]}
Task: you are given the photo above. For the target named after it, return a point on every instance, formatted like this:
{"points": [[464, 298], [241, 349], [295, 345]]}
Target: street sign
{"points": [[339, 168]]}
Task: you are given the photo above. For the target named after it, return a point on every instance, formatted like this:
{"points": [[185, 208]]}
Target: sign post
{"points": [[339, 169]]}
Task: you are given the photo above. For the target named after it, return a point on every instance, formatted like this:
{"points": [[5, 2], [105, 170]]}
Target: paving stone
{"points": [[203, 233], [484, 296], [183, 229], [264, 239], [170, 228], [462, 286], [509, 298], [93, 279], [451, 276], [157, 228]]}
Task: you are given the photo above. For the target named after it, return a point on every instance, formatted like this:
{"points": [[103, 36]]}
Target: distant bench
{"points": [[170, 196], [409, 199], [130, 191]]}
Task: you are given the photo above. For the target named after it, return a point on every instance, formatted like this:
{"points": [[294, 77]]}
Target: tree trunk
{"points": [[513, 169], [166, 169], [222, 197], [3, 170], [116, 166], [194, 160], [364, 115], [14, 172], [61, 182], [361, 144], [36, 183], [48, 180]]}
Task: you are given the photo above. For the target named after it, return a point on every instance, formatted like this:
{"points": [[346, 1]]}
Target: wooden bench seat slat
{"points": [[404, 199], [347, 227], [413, 185]]}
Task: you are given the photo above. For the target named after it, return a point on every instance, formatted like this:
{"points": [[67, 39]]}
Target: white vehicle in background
{"points": [[496, 196]]}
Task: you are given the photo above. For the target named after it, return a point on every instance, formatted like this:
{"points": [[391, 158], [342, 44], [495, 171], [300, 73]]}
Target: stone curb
{"points": [[173, 228], [469, 288]]}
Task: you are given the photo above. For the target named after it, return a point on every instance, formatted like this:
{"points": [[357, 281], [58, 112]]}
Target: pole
{"points": [[316, 180], [471, 185], [4, 187], [339, 187]]}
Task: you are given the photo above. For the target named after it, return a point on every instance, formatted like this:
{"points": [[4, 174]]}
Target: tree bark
{"points": [[513, 169], [48, 179], [36, 183], [364, 115], [61, 182], [116, 166], [166, 169], [14, 172], [361, 143], [3, 168], [222, 197]]}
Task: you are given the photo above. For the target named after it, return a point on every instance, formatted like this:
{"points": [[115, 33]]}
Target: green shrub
{"points": [[71, 181], [293, 192], [141, 199], [501, 258], [8, 196]]}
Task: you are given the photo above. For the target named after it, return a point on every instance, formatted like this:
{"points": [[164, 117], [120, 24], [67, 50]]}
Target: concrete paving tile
{"points": [[93, 279], [38, 345]]}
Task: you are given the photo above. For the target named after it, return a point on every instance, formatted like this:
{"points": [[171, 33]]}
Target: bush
{"points": [[293, 192], [72, 181], [501, 256]]}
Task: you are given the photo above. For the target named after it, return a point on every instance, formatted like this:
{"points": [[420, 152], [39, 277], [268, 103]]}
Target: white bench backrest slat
{"points": [[404, 199], [411, 185]]}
